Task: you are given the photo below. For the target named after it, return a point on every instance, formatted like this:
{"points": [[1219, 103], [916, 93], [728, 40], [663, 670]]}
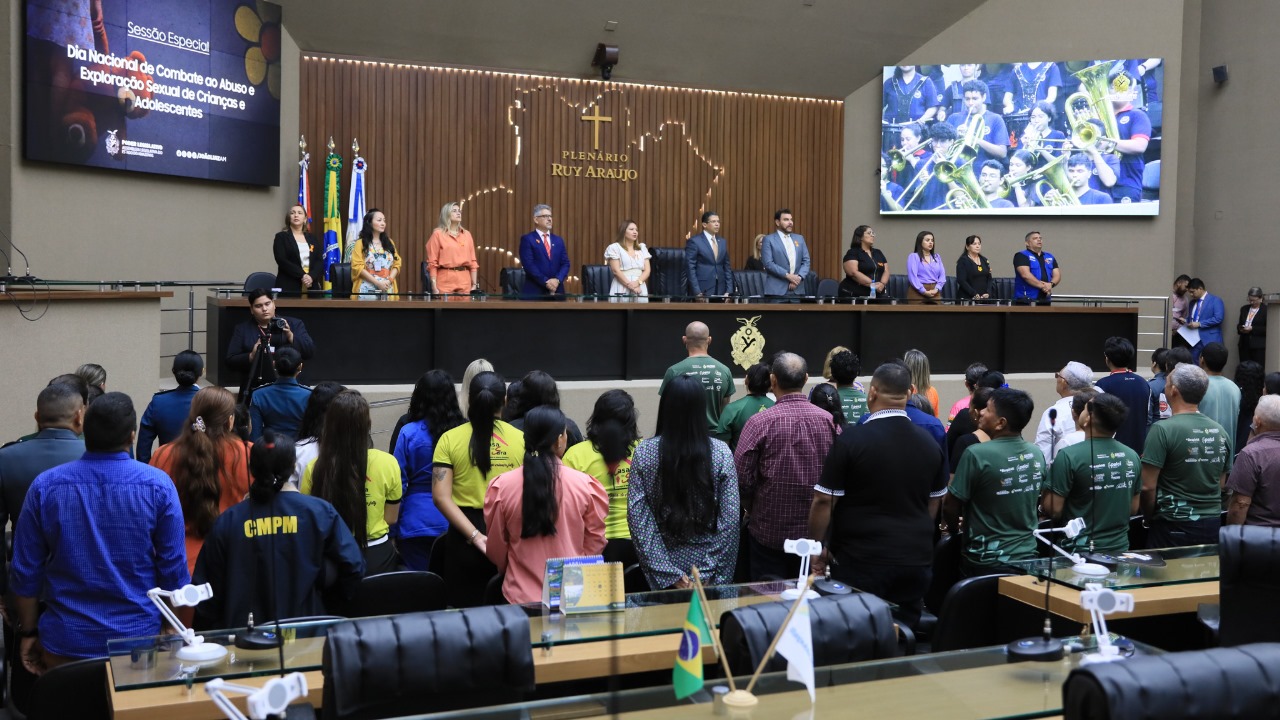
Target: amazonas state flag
{"points": [[686, 677]]}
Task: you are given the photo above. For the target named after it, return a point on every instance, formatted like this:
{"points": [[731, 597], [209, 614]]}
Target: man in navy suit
{"points": [[706, 259], [543, 255], [1205, 315], [785, 258]]}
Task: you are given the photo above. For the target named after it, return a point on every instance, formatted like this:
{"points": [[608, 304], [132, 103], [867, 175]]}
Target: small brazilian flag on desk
{"points": [[686, 677]]}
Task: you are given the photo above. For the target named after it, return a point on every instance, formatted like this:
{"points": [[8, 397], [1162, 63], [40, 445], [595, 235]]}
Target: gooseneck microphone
{"points": [[1053, 434]]}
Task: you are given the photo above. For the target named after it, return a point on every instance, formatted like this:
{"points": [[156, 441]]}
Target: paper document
{"points": [[1191, 335]]}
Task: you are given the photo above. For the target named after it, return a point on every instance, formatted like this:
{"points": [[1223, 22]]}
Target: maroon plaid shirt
{"points": [[779, 459]]}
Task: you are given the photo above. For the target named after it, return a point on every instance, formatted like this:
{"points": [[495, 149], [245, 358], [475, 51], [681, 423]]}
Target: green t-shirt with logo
{"points": [[737, 413], [853, 402], [506, 452], [998, 482], [1103, 502], [586, 458], [1192, 453], [716, 378]]}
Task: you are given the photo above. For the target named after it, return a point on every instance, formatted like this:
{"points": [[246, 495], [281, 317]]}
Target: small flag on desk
{"points": [[686, 677], [796, 645]]}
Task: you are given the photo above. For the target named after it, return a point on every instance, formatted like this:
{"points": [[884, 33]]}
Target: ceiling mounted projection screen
{"points": [[1076, 137], [174, 87]]}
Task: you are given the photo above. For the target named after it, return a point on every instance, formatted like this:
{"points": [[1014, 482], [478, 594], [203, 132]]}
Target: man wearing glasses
{"points": [[544, 257]]}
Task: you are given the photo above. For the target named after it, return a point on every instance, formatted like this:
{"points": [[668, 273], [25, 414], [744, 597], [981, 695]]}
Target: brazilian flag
{"points": [[686, 677]]}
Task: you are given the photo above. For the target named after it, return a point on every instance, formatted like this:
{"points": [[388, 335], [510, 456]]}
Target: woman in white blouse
{"points": [[628, 261]]}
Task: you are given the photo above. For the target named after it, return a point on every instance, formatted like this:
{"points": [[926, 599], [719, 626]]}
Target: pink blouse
{"points": [[579, 529]]}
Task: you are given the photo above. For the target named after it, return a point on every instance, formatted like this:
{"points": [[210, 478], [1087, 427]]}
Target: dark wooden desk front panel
{"points": [[395, 342]]}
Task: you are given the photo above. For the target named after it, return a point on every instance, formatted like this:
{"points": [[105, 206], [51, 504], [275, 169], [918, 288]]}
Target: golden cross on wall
{"points": [[595, 121]]}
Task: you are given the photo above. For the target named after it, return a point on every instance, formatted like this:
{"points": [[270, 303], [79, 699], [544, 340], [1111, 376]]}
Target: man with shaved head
{"points": [[716, 378], [779, 458]]}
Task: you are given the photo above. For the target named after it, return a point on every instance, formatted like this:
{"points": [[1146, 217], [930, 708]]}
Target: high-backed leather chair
{"points": [[75, 690], [1248, 584], [969, 615], [511, 280], [259, 281], [667, 272], [846, 628], [748, 283], [827, 288], [426, 662], [340, 278], [1239, 682], [809, 286], [897, 287], [1002, 288], [596, 280], [949, 289], [395, 593]]}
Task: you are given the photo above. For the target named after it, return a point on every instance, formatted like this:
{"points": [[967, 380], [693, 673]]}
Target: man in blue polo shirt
{"points": [[94, 536], [1035, 272], [993, 144], [1135, 133], [1079, 171]]}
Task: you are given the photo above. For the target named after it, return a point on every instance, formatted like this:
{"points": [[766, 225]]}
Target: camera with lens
{"points": [[277, 324]]}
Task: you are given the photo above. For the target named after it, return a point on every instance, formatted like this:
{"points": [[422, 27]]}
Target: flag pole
{"points": [[715, 636], [773, 645]]}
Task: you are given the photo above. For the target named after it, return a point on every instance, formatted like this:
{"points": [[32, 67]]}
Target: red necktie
{"points": [[546, 241]]}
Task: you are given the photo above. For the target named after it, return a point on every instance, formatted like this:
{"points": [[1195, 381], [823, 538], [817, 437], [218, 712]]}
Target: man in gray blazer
{"points": [[785, 257], [706, 259]]}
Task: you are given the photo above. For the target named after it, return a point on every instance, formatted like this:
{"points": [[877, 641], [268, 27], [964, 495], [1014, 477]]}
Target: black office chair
{"points": [[748, 283], [259, 281], [667, 272], [845, 628], [340, 278], [949, 289], [1248, 584], [426, 662], [828, 288], [426, 278], [969, 617], [493, 591], [946, 572], [396, 593], [596, 280], [1137, 533], [1240, 682], [809, 286], [634, 581], [1002, 288], [511, 280], [75, 690]]}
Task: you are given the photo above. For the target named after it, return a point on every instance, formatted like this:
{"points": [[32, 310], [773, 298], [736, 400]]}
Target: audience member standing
{"points": [[307, 448], [1222, 400], [166, 414], [682, 505], [612, 436], [779, 458], [918, 363], [737, 413], [1252, 328], [996, 488], [265, 332], [1205, 315], [879, 494], [1255, 479], [1130, 387], [539, 388], [209, 465], [972, 375], [843, 369], [279, 407], [433, 411], [269, 555], [94, 536], [1250, 379], [466, 459], [716, 378], [541, 510], [1178, 306], [1071, 379], [1097, 480], [544, 257], [1184, 463]]}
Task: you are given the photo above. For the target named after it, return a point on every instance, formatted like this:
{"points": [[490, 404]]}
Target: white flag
{"points": [[796, 646], [356, 207]]}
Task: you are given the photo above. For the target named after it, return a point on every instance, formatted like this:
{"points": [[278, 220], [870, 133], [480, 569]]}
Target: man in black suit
{"points": [[706, 258], [1252, 328], [265, 331]]}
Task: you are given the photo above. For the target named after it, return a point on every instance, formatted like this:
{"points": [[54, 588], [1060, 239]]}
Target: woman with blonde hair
{"points": [[209, 465], [918, 363], [754, 260], [628, 261], [451, 255]]}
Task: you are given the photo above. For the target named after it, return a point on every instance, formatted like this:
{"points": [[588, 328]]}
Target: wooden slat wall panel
{"points": [[431, 135]]}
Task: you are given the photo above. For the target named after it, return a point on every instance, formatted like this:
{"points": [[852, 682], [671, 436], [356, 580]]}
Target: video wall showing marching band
{"points": [[1034, 138]]}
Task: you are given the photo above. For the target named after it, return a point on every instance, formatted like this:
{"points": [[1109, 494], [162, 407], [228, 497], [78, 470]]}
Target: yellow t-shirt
{"points": [[506, 452], [382, 486], [586, 458]]}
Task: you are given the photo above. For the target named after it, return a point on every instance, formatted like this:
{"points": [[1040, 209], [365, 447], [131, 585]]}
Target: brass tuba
{"points": [[965, 193], [1092, 103], [1049, 183]]}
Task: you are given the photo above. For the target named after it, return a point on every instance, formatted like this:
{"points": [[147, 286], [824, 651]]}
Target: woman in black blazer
{"points": [[297, 268], [1253, 339], [973, 272]]}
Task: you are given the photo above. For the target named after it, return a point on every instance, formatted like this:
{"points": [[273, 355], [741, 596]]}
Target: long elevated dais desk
{"points": [[395, 342]]}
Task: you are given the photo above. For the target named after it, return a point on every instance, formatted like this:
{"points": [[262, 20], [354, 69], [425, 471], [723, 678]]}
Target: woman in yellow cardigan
{"points": [[375, 264]]}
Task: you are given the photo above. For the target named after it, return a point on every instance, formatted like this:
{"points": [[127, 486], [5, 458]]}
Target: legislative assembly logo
{"points": [[112, 143], [747, 343]]}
